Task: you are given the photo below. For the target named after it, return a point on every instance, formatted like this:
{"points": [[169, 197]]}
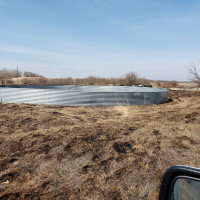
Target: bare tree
{"points": [[131, 78], [193, 74], [4, 73], [30, 74], [42, 80], [143, 81]]}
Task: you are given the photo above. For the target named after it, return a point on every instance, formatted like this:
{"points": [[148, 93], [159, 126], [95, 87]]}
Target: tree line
{"points": [[128, 79], [5, 74]]}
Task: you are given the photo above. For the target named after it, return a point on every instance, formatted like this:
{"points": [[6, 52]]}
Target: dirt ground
{"points": [[121, 152]]}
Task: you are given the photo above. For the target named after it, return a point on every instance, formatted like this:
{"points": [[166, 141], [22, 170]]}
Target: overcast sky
{"points": [[106, 38]]}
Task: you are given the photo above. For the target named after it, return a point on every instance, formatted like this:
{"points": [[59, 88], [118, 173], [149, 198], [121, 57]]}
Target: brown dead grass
{"points": [[54, 152]]}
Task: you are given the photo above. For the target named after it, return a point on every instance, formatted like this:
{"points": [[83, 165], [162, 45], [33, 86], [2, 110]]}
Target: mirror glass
{"points": [[185, 189]]}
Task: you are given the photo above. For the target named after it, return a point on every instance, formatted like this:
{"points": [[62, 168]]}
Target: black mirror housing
{"points": [[172, 174]]}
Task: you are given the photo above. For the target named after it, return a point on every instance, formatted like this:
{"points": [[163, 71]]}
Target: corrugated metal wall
{"points": [[74, 95]]}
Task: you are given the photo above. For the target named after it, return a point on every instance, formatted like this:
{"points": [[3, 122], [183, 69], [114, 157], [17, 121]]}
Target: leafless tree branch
{"points": [[193, 74]]}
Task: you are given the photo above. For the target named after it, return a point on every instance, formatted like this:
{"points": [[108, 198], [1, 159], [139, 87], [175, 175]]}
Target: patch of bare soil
{"points": [[121, 152]]}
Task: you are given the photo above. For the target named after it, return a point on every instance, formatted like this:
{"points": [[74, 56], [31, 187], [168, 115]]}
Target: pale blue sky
{"points": [[106, 38]]}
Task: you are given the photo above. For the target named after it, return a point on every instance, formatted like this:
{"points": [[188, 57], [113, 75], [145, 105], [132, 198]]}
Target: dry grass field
{"points": [[82, 153]]}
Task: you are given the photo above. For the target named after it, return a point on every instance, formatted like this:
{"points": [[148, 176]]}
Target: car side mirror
{"points": [[180, 183]]}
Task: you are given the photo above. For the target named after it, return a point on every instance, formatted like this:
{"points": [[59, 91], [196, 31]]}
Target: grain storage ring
{"points": [[75, 95]]}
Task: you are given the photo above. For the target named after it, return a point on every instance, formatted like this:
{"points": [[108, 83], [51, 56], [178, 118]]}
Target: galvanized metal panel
{"points": [[73, 95]]}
